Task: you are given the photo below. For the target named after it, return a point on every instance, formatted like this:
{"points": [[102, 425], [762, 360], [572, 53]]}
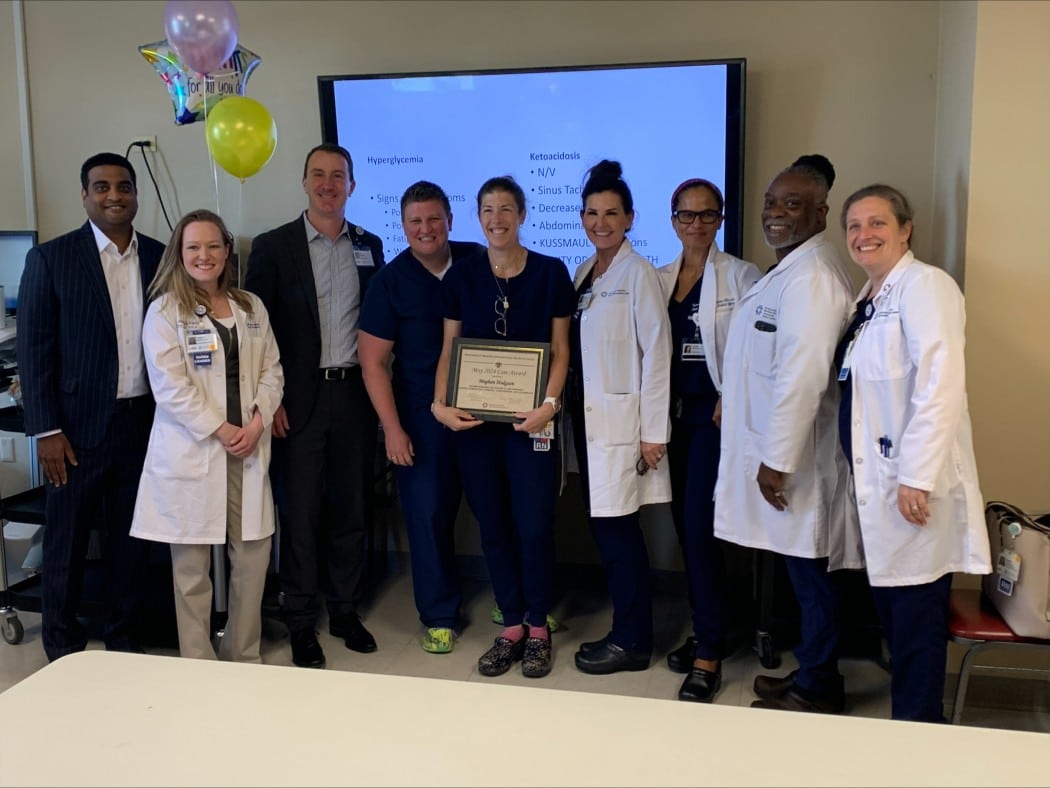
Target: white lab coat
{"points": [[625, 337], [726, 279], [909, 385], [182, 492], [780, 408]]}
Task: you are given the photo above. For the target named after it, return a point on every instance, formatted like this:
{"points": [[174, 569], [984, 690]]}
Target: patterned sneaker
{"points": [[498, 659], [438, 640], [497, 618], [536, 663]]}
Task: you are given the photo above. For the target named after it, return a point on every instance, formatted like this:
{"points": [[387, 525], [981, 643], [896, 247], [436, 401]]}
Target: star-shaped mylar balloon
{"points": [[193, 94]]}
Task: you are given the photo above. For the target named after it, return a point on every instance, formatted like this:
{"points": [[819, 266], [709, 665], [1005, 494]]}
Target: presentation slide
{"points": [[663, 124]]}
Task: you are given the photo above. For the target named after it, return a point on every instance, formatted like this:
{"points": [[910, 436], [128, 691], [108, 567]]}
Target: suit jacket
{"points": [[67, 338], [280, 273]]}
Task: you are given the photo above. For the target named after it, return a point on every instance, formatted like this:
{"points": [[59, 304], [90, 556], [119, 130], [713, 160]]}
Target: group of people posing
{"points": [[773, 411]]}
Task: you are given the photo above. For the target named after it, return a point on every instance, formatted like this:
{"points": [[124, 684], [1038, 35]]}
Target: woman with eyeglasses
{"points": [[701, 286], [510, 471], [620, 391]]}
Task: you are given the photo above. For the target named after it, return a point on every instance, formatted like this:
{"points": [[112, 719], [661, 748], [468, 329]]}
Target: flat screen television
{"points": [[664, 122]]}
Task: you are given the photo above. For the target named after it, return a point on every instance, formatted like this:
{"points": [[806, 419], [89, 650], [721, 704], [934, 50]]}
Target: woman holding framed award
{"points": [[500, 304], [620, 395]]}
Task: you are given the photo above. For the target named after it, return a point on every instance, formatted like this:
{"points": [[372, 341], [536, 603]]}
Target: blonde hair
{"points": [[172, 278]]}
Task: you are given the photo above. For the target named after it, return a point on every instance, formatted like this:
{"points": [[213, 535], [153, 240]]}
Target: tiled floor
{"points": [[585, 615]]}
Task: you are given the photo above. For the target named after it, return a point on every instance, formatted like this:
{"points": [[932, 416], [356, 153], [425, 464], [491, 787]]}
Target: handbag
{"points": [[1019, 585]]}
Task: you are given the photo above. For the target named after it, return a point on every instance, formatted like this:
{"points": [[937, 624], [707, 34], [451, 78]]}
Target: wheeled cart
{"points": [[25, 507]]}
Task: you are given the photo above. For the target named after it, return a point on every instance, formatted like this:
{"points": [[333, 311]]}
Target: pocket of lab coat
{"points": [[762, 352], [621, 418], [882, 351]]}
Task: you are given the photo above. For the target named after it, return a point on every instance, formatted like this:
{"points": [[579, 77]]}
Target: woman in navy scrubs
{"points": [[702, 285], [509, 472]]}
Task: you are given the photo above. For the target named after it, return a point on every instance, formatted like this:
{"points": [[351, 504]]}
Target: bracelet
{"points": [[432, 404], [554, 402]]}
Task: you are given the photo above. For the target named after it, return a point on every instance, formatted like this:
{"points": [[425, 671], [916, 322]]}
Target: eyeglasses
{"points": [[642, 467], [688, 217], [500, 325]]}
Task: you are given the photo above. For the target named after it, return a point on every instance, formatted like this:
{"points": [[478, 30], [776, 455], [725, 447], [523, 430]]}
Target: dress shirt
{"points": [[124, 283], [338, 294]]}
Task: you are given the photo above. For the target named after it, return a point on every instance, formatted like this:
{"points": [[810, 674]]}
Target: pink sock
{"points": [[542, 633], [515, 633]]}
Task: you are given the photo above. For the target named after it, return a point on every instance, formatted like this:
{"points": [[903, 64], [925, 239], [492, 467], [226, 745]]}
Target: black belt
{"points": [[339, 373], [133, 403]]}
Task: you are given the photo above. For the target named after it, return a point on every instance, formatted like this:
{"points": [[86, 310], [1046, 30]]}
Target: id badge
{"points": [[200, 344], [693, 351], [847, 359], [1008, 566], [585, 300], [363, 258], [541, 441]]}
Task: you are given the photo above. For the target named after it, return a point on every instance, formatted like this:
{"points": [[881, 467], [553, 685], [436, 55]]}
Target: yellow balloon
{"points": [[242, 135]]}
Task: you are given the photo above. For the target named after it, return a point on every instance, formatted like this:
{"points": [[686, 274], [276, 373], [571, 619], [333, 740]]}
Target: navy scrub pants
{"points": [[430, 491], [819, 602], [625, 559], [915, 623], [693, 456], [511, 489]]}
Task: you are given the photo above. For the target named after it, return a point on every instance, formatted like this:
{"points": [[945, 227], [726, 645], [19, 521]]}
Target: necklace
{"points": [[503, 300]]}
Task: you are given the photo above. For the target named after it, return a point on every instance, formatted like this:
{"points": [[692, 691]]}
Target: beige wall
{"points": [[958, 41], [1007, 263], [14, 213]]}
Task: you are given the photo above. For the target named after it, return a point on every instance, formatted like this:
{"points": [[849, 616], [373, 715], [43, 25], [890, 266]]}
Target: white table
{"points": [[124, 719]]}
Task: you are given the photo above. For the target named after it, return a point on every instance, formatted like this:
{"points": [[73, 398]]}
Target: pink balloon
{"points": [[202, 32]]}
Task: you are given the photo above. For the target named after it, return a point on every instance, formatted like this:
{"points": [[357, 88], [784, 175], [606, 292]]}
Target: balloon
{"points": [[194, 95], [242, 136], [203, 32]]}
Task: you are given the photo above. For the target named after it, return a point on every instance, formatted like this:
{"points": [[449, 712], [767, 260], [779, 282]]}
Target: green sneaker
{"points": [[497, 618], [438, 640]]}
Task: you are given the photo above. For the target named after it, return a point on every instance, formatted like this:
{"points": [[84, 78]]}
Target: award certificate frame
{"points": [[492, 379]]}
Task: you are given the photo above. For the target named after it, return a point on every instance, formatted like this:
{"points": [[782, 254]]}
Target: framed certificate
{"points": [[492, 379]]}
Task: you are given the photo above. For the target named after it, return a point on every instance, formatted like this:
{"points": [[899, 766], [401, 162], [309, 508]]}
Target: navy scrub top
{"points": [[541, 292], [693, 393], [845, 378], [403, 305]]}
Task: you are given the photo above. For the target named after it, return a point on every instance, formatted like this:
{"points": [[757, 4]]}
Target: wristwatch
{"points": [[554, 402]]}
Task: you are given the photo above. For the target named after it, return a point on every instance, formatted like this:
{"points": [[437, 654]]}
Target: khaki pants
{"points": [[249, 562]]}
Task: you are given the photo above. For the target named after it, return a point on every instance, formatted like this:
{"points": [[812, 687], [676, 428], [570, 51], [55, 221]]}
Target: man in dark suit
{"points": [[87, 399], [312, 274]]}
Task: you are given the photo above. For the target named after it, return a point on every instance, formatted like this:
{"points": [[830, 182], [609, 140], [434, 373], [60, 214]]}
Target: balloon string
{"points": [[240, 222], [211, 159]]}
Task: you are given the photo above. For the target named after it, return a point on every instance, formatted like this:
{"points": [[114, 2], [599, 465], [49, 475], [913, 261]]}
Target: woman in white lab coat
{"points": [[213, 366], [620, 379], [781, 477], [905, 426], [701, 287]]}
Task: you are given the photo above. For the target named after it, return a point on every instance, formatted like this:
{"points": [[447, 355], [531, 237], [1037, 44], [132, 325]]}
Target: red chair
{"points": [[974, 623]]}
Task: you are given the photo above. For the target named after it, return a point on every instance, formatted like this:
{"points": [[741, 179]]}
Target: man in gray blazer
{"points": [[87, 400]]}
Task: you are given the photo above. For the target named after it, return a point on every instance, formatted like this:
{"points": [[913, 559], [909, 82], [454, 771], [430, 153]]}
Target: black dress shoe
{"points": [[774, 686], [306, 651], [681, 659], [701, 685], [610, 658], [592, 645], [793, 701], [353, 633]]}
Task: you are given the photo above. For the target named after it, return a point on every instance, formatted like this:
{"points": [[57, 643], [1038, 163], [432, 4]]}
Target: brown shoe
{"points": [[774, 686], [792, 701]]}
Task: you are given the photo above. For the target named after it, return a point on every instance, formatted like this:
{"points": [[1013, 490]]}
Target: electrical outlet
{"points": [[146, 142]]}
